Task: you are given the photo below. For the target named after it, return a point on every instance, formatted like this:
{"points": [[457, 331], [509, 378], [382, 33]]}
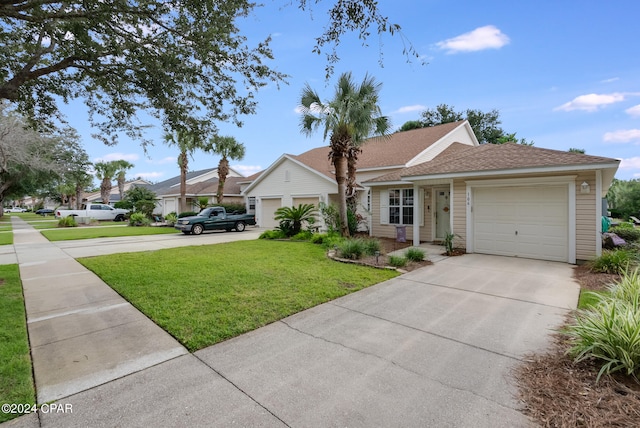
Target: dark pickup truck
{"points": [[214, 218]]}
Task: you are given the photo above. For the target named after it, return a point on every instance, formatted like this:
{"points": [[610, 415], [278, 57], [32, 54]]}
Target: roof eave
{"points": [[545, 169]]}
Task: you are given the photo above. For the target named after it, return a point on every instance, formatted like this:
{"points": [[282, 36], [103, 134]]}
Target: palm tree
{"points": [[228, 148], [349, 118], [122, 167], [105, 171], [291, 218], [187, 143]]}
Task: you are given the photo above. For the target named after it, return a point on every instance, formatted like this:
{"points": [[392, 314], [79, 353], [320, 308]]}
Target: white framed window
{"points": [[400, 206]]}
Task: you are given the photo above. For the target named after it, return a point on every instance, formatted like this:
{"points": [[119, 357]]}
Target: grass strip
{"points": [[16, 386], [206, 294], [72, 233]]}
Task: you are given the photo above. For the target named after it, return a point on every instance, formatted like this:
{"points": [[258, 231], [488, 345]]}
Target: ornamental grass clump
{"points": [[414, 254], [609, 331], [613, 261], [352, 248]]}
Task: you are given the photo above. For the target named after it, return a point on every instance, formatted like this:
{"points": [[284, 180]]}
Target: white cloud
{"points": [[149, 175], [487, 37], [633, 111], [247, 170], [592, 102], [410, 109], [622, 136], [630, 163], [130, 157], [613, 79]]}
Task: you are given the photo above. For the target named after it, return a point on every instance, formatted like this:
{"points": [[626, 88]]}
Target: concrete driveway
{"points": [[431, 348]]}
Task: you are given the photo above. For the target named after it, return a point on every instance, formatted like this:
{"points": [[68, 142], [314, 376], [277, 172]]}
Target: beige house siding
{"points": [[389, 230], [586, 222], [459, 200]]}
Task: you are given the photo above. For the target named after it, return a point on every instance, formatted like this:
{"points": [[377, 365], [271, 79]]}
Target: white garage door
{"points": [[529, 222], [267, 211]]}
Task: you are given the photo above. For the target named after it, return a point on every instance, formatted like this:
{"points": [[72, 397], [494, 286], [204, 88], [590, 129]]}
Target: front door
{"points": [[443, 213]]}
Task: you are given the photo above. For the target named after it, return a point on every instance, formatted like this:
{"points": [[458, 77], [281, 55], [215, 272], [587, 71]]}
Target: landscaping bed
{"points": [[557, 392]]}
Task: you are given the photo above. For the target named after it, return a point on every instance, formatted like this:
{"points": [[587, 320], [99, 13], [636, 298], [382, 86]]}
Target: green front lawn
{"points": [[88, 232], [206, 294], [15, 360]]}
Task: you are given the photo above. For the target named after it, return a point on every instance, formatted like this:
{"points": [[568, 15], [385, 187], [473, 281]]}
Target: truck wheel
{"points": [[197, 229], [119, 217], [240, 226]]}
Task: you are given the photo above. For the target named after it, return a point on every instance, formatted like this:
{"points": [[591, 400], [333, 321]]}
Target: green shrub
{"points": [[628, 234], [371, 245], [448, 243], [397, 261], [627, 288], [352, 248], [139, 219], [625, 225], [352, 222], [305, 235], [331, 217], [68, 221], [272, 234], [332, 240], [171, 219], [187, 214], [609, 331], [293, 218], [414, 254], [612, 261], [318, 238]]}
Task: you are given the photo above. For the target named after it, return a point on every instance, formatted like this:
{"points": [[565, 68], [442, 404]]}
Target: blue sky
{"points": [[562, 73]]}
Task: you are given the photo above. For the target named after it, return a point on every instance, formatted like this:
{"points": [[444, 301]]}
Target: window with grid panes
{"points": [[401, 206]]}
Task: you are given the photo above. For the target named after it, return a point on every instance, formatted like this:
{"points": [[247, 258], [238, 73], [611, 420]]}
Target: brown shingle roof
{"points": [[396, 150], [493, 157]]}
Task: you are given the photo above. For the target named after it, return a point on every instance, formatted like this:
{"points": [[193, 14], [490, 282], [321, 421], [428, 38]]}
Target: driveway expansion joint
{"points": [[245, 393]]}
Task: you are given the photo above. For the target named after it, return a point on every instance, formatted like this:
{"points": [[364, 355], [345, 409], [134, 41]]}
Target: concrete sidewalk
{"points": [[82, 333], [434, 347]]}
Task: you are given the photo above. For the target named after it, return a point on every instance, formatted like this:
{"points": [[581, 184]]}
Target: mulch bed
{"points": [[389, 245], [556, 392]]}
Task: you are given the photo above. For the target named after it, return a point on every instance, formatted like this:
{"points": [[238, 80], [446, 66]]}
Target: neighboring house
{"points": [[508, 199], [114, 196], [310, 178], [202, 183]]}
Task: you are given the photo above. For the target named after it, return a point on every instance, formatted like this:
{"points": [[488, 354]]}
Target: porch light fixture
{"points": [[585, 188]]}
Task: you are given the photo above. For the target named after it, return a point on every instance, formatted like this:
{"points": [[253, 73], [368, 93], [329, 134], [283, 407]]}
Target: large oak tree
{"points": [[185, 62]]}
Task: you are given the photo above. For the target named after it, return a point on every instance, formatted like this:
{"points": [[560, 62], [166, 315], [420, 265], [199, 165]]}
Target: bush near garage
{"points": [[609, 331], [614, 261], [628, 234], [187, 214]]}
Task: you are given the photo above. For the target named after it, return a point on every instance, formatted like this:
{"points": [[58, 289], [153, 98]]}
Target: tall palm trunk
{"points": [[105, 190], [223, 171], [340, 142], [183, 161]]}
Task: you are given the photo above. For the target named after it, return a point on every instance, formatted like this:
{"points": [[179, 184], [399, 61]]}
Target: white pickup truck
{"points": [[95, 211]]}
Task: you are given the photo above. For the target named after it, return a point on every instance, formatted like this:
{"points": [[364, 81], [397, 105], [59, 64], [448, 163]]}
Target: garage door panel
{"points": [[527, 222], [269, 207]]}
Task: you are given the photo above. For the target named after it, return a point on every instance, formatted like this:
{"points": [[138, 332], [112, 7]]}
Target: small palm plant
{"points": [[292, 218]]}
